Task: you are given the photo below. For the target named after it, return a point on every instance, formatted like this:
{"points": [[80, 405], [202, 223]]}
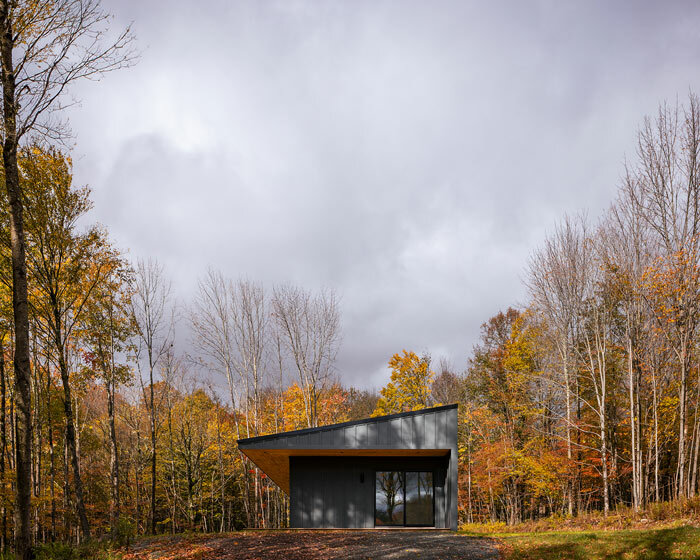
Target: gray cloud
{"points": [[408, 154]]}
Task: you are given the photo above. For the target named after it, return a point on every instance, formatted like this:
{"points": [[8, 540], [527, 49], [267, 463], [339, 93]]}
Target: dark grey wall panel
{"points": [[329, 493]]}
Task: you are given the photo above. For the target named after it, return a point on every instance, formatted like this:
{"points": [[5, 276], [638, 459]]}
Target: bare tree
{"points": [[595, 352], [153, 317], [230, 322], [310, 328], [557, 282], [214, 327], [44, 48], [173, 372], [664, 184], [213, 319], [251, 337], [626, 252]]}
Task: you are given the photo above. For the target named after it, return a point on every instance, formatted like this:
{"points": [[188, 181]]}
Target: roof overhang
{"points": [[275, 462]]}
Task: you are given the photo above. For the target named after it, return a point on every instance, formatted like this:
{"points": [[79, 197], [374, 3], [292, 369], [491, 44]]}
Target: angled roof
{"points": [[426, 432]]}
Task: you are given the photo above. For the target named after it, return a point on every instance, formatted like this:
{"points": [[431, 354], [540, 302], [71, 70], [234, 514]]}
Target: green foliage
{"points": [[63, 551], [124, 532], [56, 551]]}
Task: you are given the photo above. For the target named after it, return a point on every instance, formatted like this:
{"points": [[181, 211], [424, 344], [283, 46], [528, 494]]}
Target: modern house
{"points": [[391, 471]]}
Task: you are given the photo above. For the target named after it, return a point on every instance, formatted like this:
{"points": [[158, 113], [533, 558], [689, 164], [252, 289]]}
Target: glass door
{"points": [[404, 498]]}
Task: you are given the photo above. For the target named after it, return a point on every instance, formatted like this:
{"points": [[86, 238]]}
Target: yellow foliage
{"points": [[409, 388]]}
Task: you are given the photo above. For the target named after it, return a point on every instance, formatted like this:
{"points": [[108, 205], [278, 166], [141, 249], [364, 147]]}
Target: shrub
{"points": [[62, 551], [124, 532], [55, 551]]}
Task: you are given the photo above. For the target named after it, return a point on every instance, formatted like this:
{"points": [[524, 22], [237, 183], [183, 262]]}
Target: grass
{"points": [[659, 531], [681, 543], [659, 515]]}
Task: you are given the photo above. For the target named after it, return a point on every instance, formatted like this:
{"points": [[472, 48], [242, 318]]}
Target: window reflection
{"points": [[419, 498], [389, 498]]}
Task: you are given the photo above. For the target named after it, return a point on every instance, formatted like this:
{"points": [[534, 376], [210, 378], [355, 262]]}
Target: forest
{"points": [[120, 406]]}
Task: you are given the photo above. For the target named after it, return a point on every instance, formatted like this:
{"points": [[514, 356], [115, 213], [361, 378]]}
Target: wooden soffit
{"points": [[275, 462]]}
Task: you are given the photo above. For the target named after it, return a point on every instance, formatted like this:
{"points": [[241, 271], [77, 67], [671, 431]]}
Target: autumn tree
{"points": [[448, 386], [409, 387], [44, 48], [106, 330], [663, 187], [66, 266], [361, 403]]}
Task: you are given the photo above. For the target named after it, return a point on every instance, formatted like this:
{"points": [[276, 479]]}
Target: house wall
{"points": [[330, 491]]}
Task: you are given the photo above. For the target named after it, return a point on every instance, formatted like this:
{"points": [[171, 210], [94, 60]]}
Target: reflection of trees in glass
{"points": [[389, 498], [419, 498]]}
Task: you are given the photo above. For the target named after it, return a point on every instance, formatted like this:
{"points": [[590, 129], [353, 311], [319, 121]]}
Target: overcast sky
{"points": [[409, 155]]}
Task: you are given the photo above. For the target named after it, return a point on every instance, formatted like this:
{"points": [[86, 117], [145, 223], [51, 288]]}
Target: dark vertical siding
{"points": [[329, 493], [452, 474]]}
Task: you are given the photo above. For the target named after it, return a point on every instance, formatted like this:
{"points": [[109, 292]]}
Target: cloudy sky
{"points": [[409, 155]]}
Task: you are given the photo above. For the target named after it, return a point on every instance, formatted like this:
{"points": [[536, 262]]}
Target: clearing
{"points": [[679, 543], [330, 544], [662, 543]]}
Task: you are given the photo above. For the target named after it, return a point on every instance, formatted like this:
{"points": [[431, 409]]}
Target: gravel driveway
{"points": [[327, 545]]}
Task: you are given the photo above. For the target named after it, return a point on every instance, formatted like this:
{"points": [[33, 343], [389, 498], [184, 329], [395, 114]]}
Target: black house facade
{"points": [[391, 471]]}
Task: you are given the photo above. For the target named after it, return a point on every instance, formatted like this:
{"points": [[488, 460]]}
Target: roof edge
{"points": [[246, 441]]}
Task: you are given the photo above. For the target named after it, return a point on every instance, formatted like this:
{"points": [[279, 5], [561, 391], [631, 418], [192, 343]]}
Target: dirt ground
{"points": [[327, 545]]}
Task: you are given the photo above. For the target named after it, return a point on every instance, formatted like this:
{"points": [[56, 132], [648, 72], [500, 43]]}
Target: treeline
{"points": [[589, 397], [130, 434]]}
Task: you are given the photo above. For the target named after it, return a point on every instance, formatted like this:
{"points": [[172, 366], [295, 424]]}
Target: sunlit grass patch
{"points": [[656, 544]]}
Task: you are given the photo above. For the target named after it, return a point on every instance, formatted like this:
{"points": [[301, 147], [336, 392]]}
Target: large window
{"points": [[404, 498]]}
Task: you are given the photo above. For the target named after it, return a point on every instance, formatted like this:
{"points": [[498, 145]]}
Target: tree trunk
{"points": [[604, 458], [20, 309], [570, 485], [153, 457], [66, 493], [221, 471], [694, 448], [470, 515], [656, 436], [171, 447], [70, 429], [682, 429], [52, 458], [137, 478], [113, 454], [3, 443]]}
